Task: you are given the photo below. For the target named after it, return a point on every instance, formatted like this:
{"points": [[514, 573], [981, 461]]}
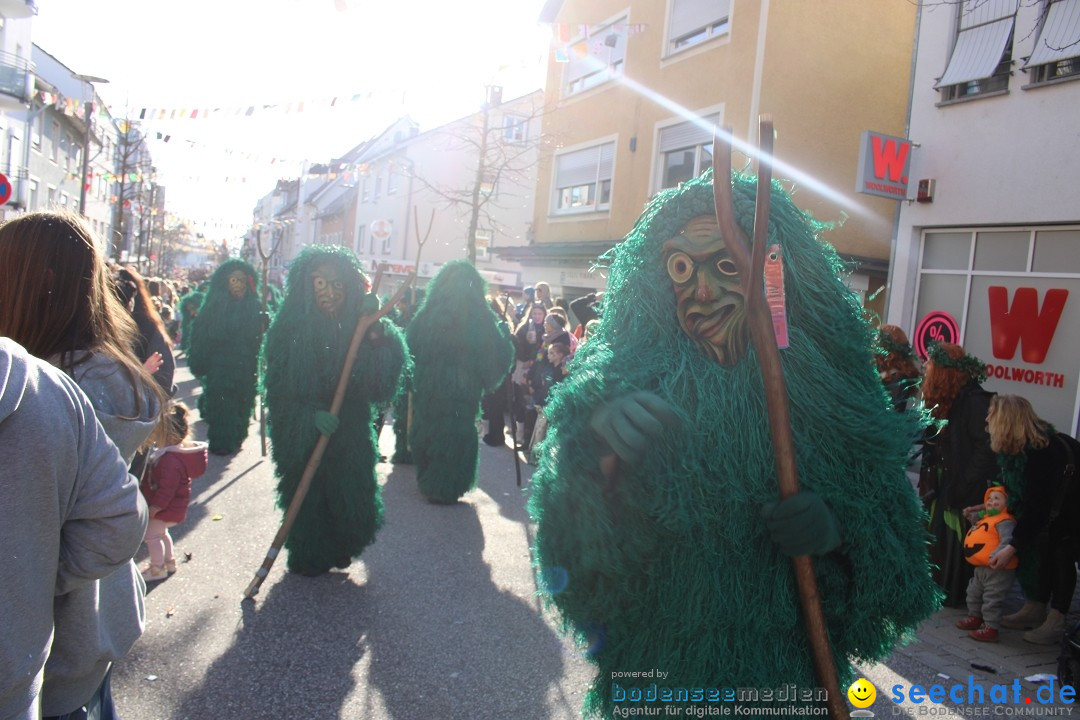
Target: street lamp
{"points": [[88, 108]]}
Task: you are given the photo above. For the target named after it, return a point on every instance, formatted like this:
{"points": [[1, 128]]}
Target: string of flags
{"points": [[288, 108], [589, 39]]}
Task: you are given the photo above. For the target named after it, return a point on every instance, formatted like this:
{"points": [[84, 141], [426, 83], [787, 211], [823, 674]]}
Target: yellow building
{"points": [[629, 82]]}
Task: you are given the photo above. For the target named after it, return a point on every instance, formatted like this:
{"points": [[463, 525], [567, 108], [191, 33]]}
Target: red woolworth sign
{"points": [[1025, 324], [884, 164]]}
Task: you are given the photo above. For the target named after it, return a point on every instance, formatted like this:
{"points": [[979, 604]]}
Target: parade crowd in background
{"points": [[88, 357]]}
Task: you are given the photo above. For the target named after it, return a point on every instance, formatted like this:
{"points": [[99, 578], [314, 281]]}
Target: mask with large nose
{"points": [[329, 288], [708, 292], [238, 284]]}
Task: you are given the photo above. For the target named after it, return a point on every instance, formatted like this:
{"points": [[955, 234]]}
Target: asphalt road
{"points": [[440, 617]]}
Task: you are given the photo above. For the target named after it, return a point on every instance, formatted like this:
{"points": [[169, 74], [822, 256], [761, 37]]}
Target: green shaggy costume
{"points": [[189, 308], [669, 565], [223, 355], [461, 351], [305, 353]]}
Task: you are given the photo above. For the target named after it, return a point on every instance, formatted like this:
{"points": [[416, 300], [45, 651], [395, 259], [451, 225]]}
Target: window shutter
{"points": [[690, 15], [985, 28], [688, 134], [607, 161], [1060, 34], [577, 168]]}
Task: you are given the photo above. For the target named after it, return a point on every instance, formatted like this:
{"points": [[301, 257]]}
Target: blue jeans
{"points": [[99, 707]]}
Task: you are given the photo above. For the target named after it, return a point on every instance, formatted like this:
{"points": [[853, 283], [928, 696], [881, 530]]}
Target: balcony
{"points": [[16, 81], [18, 9]]}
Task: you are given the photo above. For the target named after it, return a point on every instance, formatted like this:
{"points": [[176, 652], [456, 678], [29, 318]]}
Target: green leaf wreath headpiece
{"points": [[889, 346], [969, 364]]}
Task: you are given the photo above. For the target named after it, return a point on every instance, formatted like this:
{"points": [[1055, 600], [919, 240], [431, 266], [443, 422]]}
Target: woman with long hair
{"points": [[897, 365], [1033, 460], [957, 463], [57, 301], [153, 338]]}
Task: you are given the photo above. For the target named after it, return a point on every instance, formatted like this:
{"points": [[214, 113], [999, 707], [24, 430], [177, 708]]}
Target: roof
{"points": [[550, 11]]}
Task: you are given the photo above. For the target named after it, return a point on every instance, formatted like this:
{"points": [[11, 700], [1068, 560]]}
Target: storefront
{"points": [[1011, 296]]}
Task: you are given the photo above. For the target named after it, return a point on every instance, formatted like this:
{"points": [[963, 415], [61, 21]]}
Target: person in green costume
{"points": [[189, 308], [305, 353], [401, 316], [461, 351], [660, 538], [223, 354]]}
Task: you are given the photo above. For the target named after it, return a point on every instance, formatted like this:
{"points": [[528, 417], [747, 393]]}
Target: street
{"points": [[440, 618]]}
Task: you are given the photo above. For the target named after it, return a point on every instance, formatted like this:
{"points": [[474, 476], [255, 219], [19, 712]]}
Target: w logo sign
{"points": [[1023, 322]]}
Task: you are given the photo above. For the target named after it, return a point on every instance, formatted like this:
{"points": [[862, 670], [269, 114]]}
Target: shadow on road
{"points": [[445, 641], [292, 657]]}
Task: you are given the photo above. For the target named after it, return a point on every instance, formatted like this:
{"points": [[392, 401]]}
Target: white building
{"points": [[988, 253]]}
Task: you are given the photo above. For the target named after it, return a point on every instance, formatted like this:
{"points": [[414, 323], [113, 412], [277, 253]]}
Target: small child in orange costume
{"points": [[986, 592]]}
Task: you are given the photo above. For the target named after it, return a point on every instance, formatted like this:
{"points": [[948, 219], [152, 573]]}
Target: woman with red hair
{"points": [[958, 463], [897, 365]]}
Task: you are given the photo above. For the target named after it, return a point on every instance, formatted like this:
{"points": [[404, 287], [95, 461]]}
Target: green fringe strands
{"points": [[189, 307], [670, 566], [223, 355], [304, 354], [461, 351]]}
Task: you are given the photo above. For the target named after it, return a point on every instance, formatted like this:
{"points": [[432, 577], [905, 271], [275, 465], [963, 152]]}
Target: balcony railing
{"points": [[16, 79], [18, 9]]}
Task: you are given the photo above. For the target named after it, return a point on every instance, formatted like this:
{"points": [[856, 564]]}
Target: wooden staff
{"points": [[751, 269], [265, 279], [362, 326]]}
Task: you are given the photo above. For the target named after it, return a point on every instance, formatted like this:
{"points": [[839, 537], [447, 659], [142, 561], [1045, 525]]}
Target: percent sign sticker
{"points": [[937, 326]]}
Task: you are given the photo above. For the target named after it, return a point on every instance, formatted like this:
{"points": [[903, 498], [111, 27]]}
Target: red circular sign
{"points": [[936, 327], [5, 189]]}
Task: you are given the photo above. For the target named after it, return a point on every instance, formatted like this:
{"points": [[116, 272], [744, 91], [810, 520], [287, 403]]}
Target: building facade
{"points": [[636, 86], [988, 253]]}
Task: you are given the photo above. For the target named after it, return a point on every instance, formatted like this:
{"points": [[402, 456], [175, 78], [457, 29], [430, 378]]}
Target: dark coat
{"points": [[962, 452]]}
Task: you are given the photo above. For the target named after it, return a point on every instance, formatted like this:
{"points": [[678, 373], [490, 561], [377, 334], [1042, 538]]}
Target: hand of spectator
{"points": [[325, 422], [972, 513], [153, 362], [628, 425], [802, 525]]}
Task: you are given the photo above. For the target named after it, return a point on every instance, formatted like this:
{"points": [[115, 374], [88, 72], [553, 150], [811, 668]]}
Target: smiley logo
{"points": [[862, 693]]}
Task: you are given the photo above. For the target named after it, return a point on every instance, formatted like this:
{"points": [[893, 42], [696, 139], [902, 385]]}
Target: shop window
{"points": [[1057, 251], [1002, 251], [947, 251]]}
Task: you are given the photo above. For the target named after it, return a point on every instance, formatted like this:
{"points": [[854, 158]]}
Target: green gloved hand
{"points": [[802, 525], [325, 422], [370, 304], [629, 424]]}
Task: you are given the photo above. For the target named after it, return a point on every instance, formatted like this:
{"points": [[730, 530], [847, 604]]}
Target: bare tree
{"points": [[505, 156]]}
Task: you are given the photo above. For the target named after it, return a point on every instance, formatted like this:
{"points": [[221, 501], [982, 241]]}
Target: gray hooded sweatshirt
{"points": [[71, 514], [98, 624]]}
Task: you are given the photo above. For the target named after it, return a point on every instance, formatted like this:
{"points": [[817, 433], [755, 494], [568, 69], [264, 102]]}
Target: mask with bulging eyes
{"points": [[708, 291], [238, 284], [329, 288]]}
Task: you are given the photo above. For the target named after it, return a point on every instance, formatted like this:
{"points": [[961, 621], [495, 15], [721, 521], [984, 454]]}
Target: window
{"points": [[981, 60], [386, 243], [65, 149], [515, 129], [484, 238], [56, 137], [596, 58], [393, 181], [378, 187], [39, 125], [489, 186], [364, 195], [1057, 51], [685, 150], [360, 239], [694, 21], [50, 197], [583, 179], [33, 195]]}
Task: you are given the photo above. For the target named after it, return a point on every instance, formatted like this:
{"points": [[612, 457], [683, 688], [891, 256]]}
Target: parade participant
{"points": [[990, 534], [897, 365], [461, 350], [189, 308], [305, 353], [659, 536], [224, 352]]}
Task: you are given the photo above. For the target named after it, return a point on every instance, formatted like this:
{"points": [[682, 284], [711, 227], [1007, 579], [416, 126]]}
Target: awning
{"points": [[1060, 36], [978, 51]]}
